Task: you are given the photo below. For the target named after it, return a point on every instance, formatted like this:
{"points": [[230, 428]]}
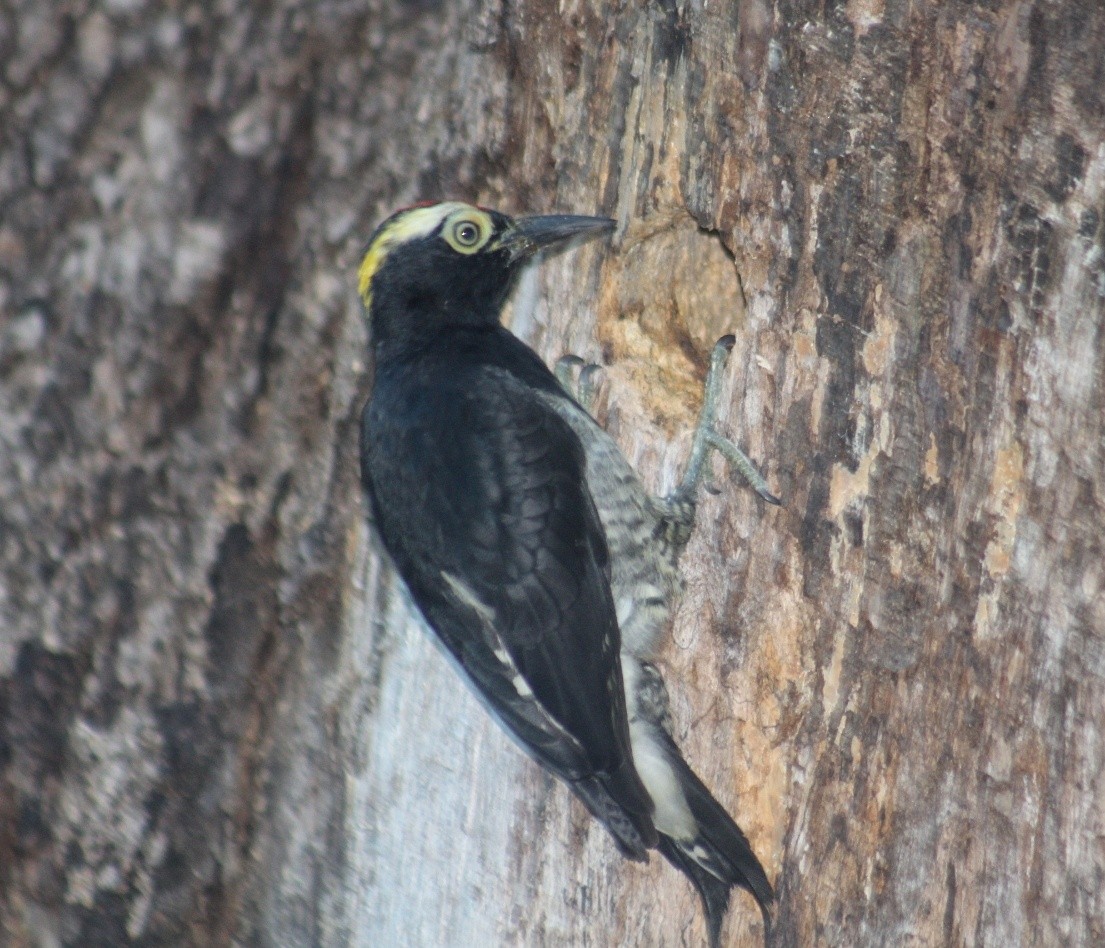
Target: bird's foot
{"points": [[579, 379], [707, 437]]}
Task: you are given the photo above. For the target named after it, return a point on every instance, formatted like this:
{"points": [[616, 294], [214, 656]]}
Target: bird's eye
{"points": [[468, 231]]}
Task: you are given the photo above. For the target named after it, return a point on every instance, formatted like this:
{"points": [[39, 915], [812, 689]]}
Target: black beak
{"points": [[527, 235]]}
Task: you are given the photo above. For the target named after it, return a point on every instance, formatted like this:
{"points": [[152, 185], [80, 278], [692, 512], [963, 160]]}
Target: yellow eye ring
{"points": [[466, 234]]}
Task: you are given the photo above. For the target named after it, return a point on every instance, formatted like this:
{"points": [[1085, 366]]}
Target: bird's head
{"points": [[436, 265]]}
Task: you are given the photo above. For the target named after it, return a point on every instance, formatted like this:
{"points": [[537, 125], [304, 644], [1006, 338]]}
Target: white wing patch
{"points": [[519, 683], [471, 600], [487, 617]]}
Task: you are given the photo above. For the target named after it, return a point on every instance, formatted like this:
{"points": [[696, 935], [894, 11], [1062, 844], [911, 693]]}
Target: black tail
{"points": [[719, 856], [710, 848], [713, 892]]}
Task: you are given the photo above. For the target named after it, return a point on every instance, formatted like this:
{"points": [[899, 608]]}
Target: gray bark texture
{"points": [[220, 723]]}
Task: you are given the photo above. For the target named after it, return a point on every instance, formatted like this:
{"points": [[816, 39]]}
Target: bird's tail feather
{"points": [[698, 836], [718, 856], [713, 892]]}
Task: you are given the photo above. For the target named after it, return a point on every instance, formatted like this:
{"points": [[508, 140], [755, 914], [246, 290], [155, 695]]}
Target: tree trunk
{"points": [[221, 722]]}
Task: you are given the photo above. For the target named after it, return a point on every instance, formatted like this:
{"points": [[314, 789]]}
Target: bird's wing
{"points": [[480, 496]]}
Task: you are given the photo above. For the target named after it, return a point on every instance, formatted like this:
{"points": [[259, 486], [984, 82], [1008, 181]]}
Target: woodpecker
{"points": [[539, 561]]}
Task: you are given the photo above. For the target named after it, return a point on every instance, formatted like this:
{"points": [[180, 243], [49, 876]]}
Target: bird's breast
{"points": [[644, 576]]}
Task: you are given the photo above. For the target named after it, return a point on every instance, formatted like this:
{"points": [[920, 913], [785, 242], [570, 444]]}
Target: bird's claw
{"points": [[706, 436], [578, 378], [565, 372]]}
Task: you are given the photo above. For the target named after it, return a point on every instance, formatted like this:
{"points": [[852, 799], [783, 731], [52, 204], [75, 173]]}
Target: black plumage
{"points": [[478, 493], [481, 473]]}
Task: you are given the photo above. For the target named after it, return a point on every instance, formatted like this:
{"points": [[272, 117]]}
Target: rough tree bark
{"points": [[220, 723]]}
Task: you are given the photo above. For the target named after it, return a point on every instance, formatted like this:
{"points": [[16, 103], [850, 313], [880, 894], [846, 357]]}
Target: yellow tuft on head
{"points": [[412, 224]]}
